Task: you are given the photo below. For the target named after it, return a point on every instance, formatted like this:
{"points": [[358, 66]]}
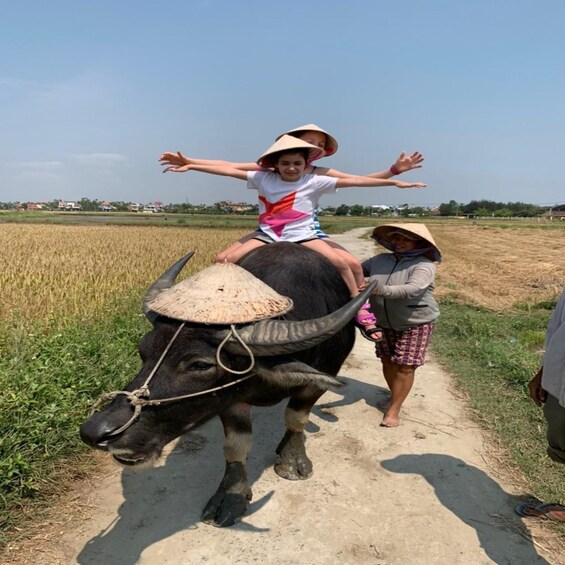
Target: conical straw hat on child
{"points": [[286, 143], [331, 141], [411, 230], [221, 294]]}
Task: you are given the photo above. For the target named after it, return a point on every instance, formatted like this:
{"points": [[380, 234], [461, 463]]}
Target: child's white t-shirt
{"points": [[286, 209]]}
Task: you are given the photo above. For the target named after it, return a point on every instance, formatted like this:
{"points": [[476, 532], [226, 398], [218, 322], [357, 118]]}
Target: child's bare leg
{"points": [[223, 255], [355, 267], [364, 319], [236, 254], [352, 262], [337, 260]]}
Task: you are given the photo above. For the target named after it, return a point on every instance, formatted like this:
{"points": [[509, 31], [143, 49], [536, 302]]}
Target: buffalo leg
{"points": [[292, 462], [230, 501]]}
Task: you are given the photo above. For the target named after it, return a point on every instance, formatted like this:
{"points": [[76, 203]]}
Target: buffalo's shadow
{"points": [[162, 501], [165, 500], [477, 500]]}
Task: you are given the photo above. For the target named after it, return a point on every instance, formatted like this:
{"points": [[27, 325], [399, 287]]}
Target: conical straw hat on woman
{"points": [[331, 141], [411, 230]]}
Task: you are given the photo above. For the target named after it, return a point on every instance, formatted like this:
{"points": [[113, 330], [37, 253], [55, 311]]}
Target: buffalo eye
{"points": [[195, 365]]}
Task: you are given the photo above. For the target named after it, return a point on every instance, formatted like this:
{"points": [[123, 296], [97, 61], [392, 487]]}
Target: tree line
{"points": [[485, 208], [476, 208]]}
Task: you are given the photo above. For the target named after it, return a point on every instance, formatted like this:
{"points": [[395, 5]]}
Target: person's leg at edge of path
{"points": [[555, 415]]}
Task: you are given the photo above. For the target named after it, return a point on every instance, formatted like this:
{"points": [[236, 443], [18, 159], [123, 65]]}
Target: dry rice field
{"points": [[67, 271], [498, 268]]}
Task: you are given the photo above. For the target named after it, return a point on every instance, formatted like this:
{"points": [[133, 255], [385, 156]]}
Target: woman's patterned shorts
{"points": [[407, 347]]}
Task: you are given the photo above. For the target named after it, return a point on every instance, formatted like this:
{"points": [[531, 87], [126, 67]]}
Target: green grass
{"points": [[492, 357], [48, 382]]}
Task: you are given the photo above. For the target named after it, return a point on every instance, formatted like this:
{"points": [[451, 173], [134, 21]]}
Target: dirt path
{"points": [[425, 492]]}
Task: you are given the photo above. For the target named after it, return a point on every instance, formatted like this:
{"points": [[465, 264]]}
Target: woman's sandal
{"points": [[367, 323]]}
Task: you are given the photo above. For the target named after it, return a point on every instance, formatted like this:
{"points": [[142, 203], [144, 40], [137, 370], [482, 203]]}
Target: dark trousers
{"points": [[555, 416]]}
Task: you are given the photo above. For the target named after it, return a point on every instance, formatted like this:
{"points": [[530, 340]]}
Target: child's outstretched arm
{"points": [[351, 181], [402, 164], [222, 170], [179, 163]]}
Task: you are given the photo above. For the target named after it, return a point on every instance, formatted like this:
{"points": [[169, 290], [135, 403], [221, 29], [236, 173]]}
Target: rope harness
{"points": [[140, 396]]}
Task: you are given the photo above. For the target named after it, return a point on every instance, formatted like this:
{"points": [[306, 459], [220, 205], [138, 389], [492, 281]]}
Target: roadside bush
{"points": [[48, 383]]}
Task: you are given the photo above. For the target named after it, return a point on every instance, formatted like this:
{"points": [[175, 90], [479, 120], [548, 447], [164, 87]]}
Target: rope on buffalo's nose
{"points": [[138, 397], [134, 399], [233, 332]]}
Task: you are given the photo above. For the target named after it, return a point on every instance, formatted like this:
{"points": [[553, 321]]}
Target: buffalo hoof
{"points": [[225, 508], [292, 462]]}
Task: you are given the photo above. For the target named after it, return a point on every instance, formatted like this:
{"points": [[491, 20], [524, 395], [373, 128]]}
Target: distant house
{"points": [[153, 208], [242, 208], [229, 207], [378, 209], [135, 207], [72, 206], [35, 206], [556, 212], [105, 206]]}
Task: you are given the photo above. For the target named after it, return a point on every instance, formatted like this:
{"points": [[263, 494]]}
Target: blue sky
{"points": [[91, 93]]}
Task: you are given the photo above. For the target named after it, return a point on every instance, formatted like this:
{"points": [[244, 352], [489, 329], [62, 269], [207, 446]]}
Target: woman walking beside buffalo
{"points": [[404, 305]]}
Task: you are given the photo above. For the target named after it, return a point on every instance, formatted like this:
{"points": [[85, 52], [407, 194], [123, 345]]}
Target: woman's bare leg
{"points": [[388, 370], [400, 379]]}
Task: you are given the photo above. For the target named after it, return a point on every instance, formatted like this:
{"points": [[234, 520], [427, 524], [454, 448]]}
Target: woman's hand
{"points": [[363, 286]]}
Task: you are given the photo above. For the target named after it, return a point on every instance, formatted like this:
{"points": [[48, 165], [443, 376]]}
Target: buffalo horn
{"points": [[278, 337], [164, 282]]}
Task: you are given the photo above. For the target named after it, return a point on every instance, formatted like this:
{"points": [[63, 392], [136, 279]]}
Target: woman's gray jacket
{"points": [[404, 290]]}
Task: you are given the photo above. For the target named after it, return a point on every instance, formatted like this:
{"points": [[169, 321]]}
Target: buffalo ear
{"points": [[286, 373]]}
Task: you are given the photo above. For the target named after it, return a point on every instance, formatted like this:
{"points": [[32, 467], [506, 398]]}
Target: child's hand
{"points": [[400, 184], [182, 169], [179, 162], [407, 163]]}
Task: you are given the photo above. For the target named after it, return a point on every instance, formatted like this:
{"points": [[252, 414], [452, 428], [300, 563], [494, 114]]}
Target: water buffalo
{"points": [[297, 357]]}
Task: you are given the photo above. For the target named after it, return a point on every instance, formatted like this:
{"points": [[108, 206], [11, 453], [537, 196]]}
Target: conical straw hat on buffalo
{"points": [[221, 294]]}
